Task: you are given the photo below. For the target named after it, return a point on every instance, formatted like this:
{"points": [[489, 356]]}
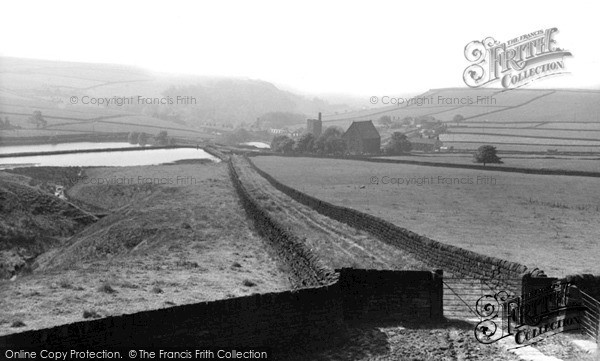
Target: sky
{"points": [[343, 47]]}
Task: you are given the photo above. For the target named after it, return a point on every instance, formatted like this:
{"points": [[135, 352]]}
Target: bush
{"points": [[106, 288], [249, 283], [65, 284], [17, 323], [91, 314]]}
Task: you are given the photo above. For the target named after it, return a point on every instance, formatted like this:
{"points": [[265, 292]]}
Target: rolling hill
{"points": [[81, 98], [516, 119]]}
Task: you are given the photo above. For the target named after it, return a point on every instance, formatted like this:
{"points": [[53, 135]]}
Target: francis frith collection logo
{"points": [[516, 62], [531, 317]]}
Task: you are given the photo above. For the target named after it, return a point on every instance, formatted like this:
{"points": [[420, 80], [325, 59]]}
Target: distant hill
{"points": [[183, 105], [515, 119]]}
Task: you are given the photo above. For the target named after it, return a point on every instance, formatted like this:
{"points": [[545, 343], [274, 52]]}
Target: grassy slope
{"points": [[547, 113], [548, 222], [32, 220], [161, 245], [28, 85]]}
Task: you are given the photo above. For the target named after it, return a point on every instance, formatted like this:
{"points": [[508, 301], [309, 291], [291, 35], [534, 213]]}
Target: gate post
{"points": [[530, 283], [437, 295]]}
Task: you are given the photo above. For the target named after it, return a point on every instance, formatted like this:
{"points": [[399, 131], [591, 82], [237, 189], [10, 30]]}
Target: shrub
{"points": [[106, 288], [91, 314], [248, 283], [17, 323], [65, 284]]}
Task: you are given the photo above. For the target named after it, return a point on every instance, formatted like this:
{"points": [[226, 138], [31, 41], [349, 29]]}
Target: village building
{"points": [[362, 138], [314, 126], [426, 144]]}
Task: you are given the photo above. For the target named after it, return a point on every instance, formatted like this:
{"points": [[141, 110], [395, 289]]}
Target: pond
{"points": [[260, 145], [106, 158]]}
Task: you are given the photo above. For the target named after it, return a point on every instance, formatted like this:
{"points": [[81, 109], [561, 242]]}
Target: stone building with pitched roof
{"points": [[362, 138]]}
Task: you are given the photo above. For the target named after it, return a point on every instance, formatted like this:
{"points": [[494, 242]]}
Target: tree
{"points": [[305, 143], [143, 138], [162, 138], [486, 154], [336, 146], [385, 120], [324, 144], [282, 144], [38, 119], [398, 144], [133, 137], [458, 118]]}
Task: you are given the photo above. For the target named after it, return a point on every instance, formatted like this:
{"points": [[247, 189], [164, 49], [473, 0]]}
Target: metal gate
{"points": [[590, 323], [461, 294]]}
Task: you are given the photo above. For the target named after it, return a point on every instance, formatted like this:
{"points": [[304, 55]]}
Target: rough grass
{"points": [[514, 219], [169, 263]]}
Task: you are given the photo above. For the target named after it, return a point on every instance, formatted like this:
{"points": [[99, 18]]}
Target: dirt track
{"points": [[338, 244]]}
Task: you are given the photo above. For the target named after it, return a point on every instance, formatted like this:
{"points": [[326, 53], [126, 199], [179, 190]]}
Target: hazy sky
{"points": [[364, 48]]}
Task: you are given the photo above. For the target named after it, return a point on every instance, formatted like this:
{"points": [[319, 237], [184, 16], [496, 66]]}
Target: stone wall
{"points": [[273, 320], [370, 295], [278, 321], [458, 261], [305, 268]]}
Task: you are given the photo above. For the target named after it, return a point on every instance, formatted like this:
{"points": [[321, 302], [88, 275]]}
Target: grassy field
{"points": [[578, 163], [536, 133], [525, 148], [544, 221], [494, 139], [159, 245]]}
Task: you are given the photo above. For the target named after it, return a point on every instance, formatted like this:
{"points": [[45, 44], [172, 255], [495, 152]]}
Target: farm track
{"points": [[337, 244], [341, 245]]}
